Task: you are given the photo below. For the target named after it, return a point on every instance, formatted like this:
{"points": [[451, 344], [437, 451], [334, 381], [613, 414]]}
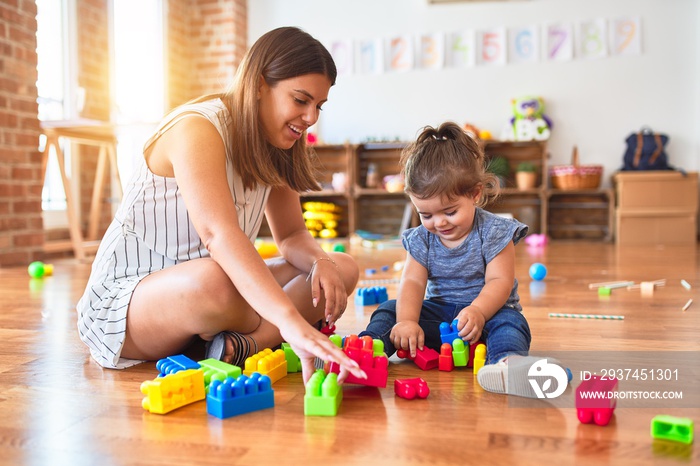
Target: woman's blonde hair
{"points": [[280, 54], [447, 162]]}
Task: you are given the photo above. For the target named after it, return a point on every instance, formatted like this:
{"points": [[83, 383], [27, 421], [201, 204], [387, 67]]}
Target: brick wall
{"points": [[206, 41], [21, 226]]}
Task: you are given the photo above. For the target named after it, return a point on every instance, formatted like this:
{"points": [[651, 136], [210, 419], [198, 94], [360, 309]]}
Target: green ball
{"points": [[36, 269], [339, 247]]}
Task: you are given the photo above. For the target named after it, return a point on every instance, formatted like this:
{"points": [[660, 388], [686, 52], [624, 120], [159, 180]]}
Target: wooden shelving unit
{"points": [[563, 214]]}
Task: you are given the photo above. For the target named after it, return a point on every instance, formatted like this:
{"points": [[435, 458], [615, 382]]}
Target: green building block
{"points": [[460, 353], [337, 340], [323, 395], [678, 429], [377, 347], [604, 291], [218, 370], [293, 361]]}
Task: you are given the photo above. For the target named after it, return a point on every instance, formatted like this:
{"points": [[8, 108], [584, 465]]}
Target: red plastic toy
{"points": [[594, 400], [361, 350], [426, 359], [445, 361], [410, 388]]}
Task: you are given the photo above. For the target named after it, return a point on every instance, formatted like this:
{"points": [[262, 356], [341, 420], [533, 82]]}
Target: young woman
{"points": [[178, 260]]}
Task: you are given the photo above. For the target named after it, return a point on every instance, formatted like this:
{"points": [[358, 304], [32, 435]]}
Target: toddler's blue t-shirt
{"points": [[457, 275]]}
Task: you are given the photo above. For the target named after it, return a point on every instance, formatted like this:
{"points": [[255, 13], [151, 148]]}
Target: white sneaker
{"points": [[510, 376]]}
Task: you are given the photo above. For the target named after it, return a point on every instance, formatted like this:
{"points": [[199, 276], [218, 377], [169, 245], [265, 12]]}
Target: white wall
{"points": [[594, 104]]}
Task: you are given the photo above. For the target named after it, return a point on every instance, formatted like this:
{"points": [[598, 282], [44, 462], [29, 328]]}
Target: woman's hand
{"points": [[470, 323], [407, 335], [326, 280], [308, 343]]}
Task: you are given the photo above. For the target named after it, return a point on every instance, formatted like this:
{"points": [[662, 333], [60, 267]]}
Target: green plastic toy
{"points": [[677, 429]]}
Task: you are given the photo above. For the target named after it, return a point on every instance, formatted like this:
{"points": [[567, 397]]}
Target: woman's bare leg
{"points": [[294, 283], [196, 298]]}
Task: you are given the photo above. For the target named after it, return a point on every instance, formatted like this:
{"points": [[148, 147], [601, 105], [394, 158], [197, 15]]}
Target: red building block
{"points": [[410, 388], [594, 402], [426, 359], [445, 362], [361, 350]]}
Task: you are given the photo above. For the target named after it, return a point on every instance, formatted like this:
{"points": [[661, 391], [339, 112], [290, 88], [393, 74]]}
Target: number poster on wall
{"points": [[499, 46]]}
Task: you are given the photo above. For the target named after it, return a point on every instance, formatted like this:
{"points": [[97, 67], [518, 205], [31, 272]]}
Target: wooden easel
{"points": [[93, 133]]}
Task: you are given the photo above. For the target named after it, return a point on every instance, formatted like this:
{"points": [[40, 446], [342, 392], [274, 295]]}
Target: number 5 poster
{"points": [[491, 47]]}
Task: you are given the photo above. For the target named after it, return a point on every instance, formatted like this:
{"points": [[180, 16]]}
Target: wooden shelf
{"points": [[565, 214]]}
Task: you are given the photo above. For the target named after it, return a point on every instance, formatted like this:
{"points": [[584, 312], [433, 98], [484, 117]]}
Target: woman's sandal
{"points": [[216, 348]]}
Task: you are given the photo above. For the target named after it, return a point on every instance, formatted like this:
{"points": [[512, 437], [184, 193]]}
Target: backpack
{"points": [[645, 151]]}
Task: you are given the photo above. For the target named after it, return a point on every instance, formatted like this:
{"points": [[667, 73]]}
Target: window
{"points": [[52, 86], [138, 75]]}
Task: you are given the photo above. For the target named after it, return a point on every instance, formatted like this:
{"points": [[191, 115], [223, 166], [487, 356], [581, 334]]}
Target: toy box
{"points": [[656, 208]]}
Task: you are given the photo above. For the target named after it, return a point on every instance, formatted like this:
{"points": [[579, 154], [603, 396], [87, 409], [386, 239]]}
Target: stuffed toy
{"points": [[529, 121]]}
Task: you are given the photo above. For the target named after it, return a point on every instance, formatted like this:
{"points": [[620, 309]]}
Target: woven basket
{"points": [[576, 176]]}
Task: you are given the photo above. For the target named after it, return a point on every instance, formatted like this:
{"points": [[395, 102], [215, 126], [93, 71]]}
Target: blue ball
{"points": [[538, 271]]}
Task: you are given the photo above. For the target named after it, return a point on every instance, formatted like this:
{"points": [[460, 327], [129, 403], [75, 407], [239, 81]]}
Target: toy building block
{"points": [[449, 332], [378, 347], [472, 352], [426, 359], [361, 350], [445, 362], [173, 391], [177, 363], [678, 429], [293, 361], [479, 357], [598, 408], [242, 395], [323, 395], [371, 295], [459, 353], [410, 388], [218, 370], [267, 362]]}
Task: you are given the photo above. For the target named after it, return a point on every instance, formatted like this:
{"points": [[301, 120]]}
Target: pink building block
{"points": [[595, 401], [410, 388]]}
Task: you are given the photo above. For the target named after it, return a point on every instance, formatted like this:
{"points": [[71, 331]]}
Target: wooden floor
{"points": [[59, 407]]}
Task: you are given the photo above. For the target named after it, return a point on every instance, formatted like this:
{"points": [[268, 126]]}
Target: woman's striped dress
{"points": [[151, 231]]}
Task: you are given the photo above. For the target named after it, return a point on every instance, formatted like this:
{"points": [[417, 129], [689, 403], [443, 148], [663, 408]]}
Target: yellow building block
{"points": [[267, 362], [173, 391], [479, 357]]}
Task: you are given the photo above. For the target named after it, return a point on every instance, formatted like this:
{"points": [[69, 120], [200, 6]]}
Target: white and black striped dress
{"points": [[151, 231]]}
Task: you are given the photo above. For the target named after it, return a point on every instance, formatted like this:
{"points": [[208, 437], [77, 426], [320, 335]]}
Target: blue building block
{"points": [[449, 333], [173, 364], [371, 295], [240, 396]]}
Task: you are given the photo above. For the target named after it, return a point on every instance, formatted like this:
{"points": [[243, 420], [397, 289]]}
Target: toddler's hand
{"points": [[470, 324], [407, 335]]}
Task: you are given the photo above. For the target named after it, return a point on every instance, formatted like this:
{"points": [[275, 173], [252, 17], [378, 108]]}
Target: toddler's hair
{"points": [[447, 162]]}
